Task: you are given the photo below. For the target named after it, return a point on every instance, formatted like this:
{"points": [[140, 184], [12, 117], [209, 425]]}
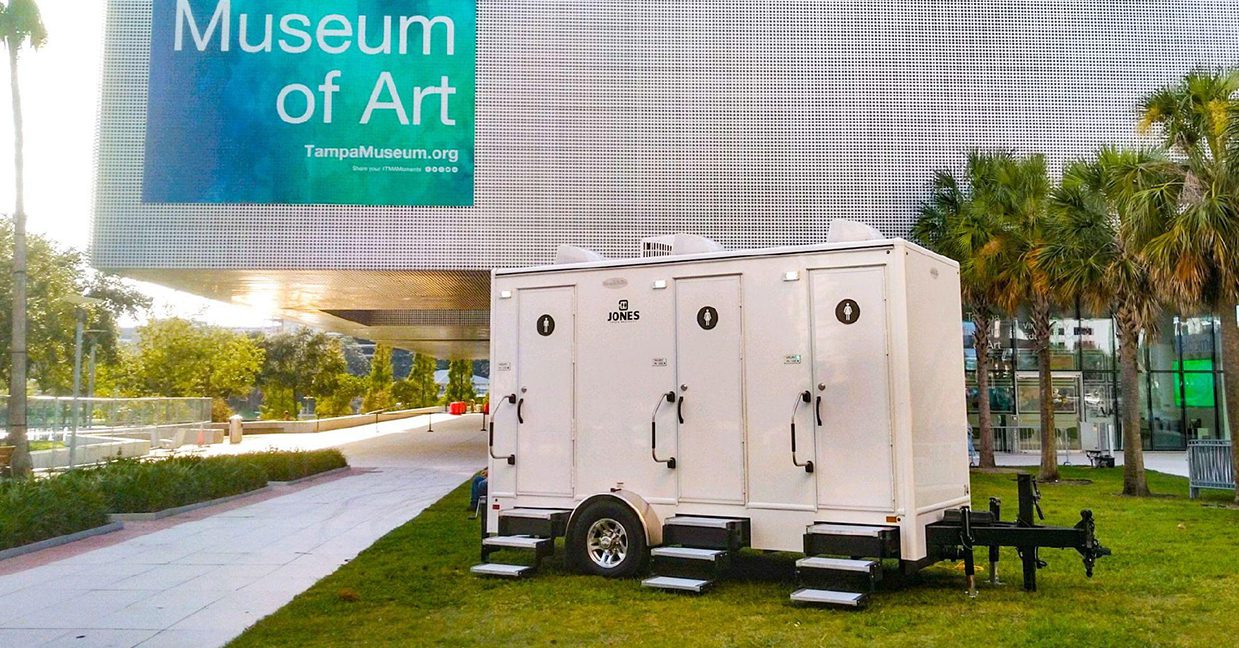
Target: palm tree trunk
{"points": [[1230, 367], [1040, 323], [981, 343], [21, 464], [1134, 482]]}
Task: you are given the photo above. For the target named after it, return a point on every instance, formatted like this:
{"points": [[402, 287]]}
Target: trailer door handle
{"points": [[491, 443], [679, 409], [818, 410], [803, 397], [670, 398], [520, 418]]}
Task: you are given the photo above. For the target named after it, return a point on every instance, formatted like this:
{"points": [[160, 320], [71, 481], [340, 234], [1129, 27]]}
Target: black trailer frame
{"points": [[961, 531]]}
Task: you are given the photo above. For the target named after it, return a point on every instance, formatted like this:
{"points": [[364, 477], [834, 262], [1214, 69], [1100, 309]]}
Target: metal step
{"points": [[837, 564], [533, 513], [544, 523], [515, 542], [829, 597], [499, 569], [688, 553], [729, 534], [705, 522], [695, 585], [849, 530], [855, 540]]}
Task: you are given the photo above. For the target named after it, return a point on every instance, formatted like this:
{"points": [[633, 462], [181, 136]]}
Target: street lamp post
{"points": [[77, 381], [81, 302], [90, 381]]}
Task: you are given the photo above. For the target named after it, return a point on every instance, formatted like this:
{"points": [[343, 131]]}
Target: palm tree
{"points": [[20, 26], [1014, 191], [949, 226], [1090, 258], [1191, 248]]}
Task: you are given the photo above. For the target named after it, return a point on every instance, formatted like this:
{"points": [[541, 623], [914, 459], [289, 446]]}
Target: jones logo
{"points": [[623, 314]]}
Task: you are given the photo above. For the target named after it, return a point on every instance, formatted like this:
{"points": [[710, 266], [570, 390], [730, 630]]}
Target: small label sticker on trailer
{"points": [[660, 362], [504, 366], [791, 359]]}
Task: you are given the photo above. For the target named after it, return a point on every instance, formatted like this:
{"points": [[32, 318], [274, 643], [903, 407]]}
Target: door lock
{"points": [[821, 386]]}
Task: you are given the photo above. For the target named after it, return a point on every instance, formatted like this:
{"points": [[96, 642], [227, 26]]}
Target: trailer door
{"points": [[851, 389], [709, 366], [546, 332]]}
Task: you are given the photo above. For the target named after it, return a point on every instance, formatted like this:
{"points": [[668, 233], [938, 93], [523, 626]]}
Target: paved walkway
{"points": [[1170, 462], [202, 582]]}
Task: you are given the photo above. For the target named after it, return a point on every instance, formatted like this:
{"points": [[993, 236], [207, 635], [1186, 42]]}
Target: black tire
{"points": [[604, 519]]}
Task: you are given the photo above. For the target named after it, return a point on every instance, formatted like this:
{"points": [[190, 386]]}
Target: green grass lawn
{"points": [[1173, 580]]}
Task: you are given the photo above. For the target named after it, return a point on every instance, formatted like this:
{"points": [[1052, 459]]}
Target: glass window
{"points": [[1221, 410], [1197, 338], [1001, 396], [1165, 425], [1097, 344], [1025, 358], [1100, 412], [1064, 344], [1162, 348], [970, 352]]}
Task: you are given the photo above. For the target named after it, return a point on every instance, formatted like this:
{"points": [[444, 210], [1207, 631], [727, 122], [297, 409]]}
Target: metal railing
{"points": [[1209, 465], [1027, 438], [88, 425], [52, 417]]}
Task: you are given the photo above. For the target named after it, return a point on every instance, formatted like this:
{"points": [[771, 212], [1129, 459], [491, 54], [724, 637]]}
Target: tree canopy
{"points": [[296, 364], [176, 357], [56, 276]]}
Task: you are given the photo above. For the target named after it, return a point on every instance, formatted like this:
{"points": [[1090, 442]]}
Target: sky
{"points": [[60, 102]]}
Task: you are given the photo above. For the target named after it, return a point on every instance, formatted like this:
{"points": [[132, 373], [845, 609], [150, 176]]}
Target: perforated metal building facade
{"points": [[598, 123]]}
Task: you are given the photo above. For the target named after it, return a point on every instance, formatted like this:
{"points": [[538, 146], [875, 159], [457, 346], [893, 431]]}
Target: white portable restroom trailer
{"points": [[805, 399]]}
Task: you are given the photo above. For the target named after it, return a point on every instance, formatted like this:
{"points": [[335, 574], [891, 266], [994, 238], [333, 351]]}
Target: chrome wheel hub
{"points": [[607, 543]]}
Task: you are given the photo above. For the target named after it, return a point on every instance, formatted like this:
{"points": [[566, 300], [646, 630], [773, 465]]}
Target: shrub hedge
{"points": [[37, 509], [134, 486], [288, 466], [34, 510]]}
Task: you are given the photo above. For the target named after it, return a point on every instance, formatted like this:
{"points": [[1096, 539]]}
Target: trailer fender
{"points": [[645, 513]]}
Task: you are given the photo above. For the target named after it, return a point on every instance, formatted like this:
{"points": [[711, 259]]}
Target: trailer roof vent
{"points": [[674, 244], [574, 254], [843, 230]]}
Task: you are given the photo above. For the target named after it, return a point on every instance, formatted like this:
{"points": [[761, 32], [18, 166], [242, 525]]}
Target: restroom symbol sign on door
{"points": [[707, 317], [848, 311], [546, 325]]}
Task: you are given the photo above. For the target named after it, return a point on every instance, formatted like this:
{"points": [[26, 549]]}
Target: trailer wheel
{"points": [[607, 539]]}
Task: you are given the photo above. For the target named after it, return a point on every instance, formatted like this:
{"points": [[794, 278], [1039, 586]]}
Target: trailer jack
{"points": [[961, 531]]}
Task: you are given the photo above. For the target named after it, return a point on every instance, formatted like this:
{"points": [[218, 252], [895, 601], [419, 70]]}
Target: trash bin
{"points": [[457, 408], [234, 429]]}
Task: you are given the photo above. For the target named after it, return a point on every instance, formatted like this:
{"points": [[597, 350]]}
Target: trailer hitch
{"points": [[1090, 549], [960, 531]]}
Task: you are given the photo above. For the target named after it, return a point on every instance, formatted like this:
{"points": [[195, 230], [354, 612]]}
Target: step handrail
{"points": [[668, 397], [490, 446], [805, 396]]}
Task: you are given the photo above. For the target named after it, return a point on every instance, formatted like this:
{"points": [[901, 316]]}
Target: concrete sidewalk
{"points": [[202, 582], [1169, 462]]}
